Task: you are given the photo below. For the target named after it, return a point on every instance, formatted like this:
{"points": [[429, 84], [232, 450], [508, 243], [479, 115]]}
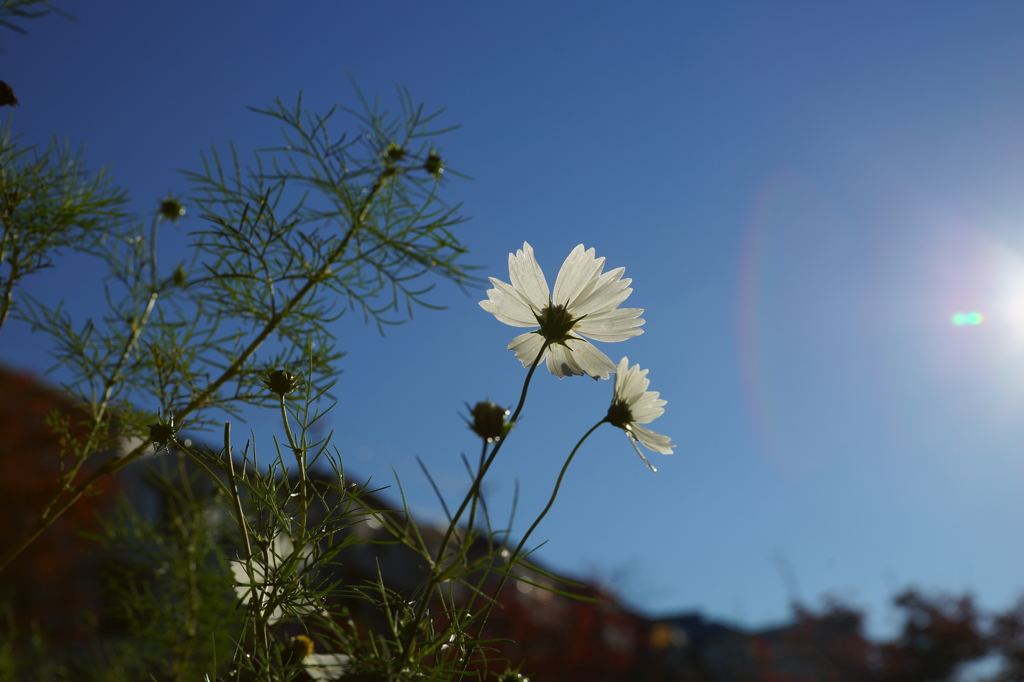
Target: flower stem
{"points": [[522, 543], [300, 462], [472, 509], [554, 493], [526, 384], [475, 489], [234, 491], [471, 497]]}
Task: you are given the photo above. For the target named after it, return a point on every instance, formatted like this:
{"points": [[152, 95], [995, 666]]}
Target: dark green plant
{"points": [[19, 10], [170, 581], [49, 203]]}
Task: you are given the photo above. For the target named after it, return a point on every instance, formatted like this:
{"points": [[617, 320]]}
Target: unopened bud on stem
{"points": [[281, 382], [162, 433], [489, 421], [434, 165], [171, 209]]}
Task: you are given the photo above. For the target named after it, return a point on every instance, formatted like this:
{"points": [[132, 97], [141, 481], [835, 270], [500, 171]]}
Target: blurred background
{"points": [[820, 206]]}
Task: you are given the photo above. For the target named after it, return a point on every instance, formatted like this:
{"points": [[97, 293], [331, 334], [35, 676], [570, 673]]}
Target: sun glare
{"points": [[1010, 298]]}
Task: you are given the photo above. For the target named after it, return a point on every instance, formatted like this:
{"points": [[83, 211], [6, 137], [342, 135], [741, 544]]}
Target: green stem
{"points": [[234, 491], [136, 327], [301, 463], [522, 543], [472, 509], [275, 321], [471, 496], [554, 493], [475, 489]]}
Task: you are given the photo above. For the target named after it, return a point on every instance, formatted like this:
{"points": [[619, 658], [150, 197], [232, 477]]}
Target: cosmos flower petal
{"points": [[636, 448], [527, 277], [253, 592], [593, 362], [562, 362], [646, 411], [651, 440], [630, 382], [614, 325], [603, 294], [527, 346], [266, 569], [576, 274], [242, 584], [506, 305], [599, 281], [326, 666]]}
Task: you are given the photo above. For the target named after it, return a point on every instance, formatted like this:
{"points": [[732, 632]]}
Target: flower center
{"points": [[619, 414], [555, 323]]}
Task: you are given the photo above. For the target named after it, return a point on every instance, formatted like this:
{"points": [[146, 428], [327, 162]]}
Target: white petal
{"points": [[604, 293], [275, 615], [593, 362], [508, 306], [588, 289], [281, 549], [651, 440], [561, 362], [527, 277], [526, 347], [647, 408], [326, 666], [577, 274], [613, 325], [238, 572], [632, 441], [632, 385]]}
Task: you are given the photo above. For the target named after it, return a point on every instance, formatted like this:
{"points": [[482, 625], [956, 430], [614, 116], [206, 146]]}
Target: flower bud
{"points": [[179, 277], [161, 433], [7, 96], [171, 209], [434, 165], [395, 152], [489, 421], [281, 382]]}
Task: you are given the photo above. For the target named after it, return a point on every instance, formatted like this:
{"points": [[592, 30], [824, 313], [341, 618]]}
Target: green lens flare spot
{"points": [[961, 319]]}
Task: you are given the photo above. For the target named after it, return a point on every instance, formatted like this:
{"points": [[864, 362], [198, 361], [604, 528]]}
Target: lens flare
{"points": [[962, 319]]}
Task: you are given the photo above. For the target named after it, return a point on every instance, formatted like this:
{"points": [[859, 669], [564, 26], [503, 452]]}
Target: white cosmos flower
{"points": [[584, 303], [632, 405], [266, 586]]}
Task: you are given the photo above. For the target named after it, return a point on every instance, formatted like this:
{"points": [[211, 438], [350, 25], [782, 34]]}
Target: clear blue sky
{"points": [[803, 193]]}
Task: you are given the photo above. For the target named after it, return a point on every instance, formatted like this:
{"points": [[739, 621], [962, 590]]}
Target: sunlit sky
{"points": [[804, 193]]}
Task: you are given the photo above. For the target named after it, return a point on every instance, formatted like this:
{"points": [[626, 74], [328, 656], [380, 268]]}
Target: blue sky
{"points": [[803, 193]]}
